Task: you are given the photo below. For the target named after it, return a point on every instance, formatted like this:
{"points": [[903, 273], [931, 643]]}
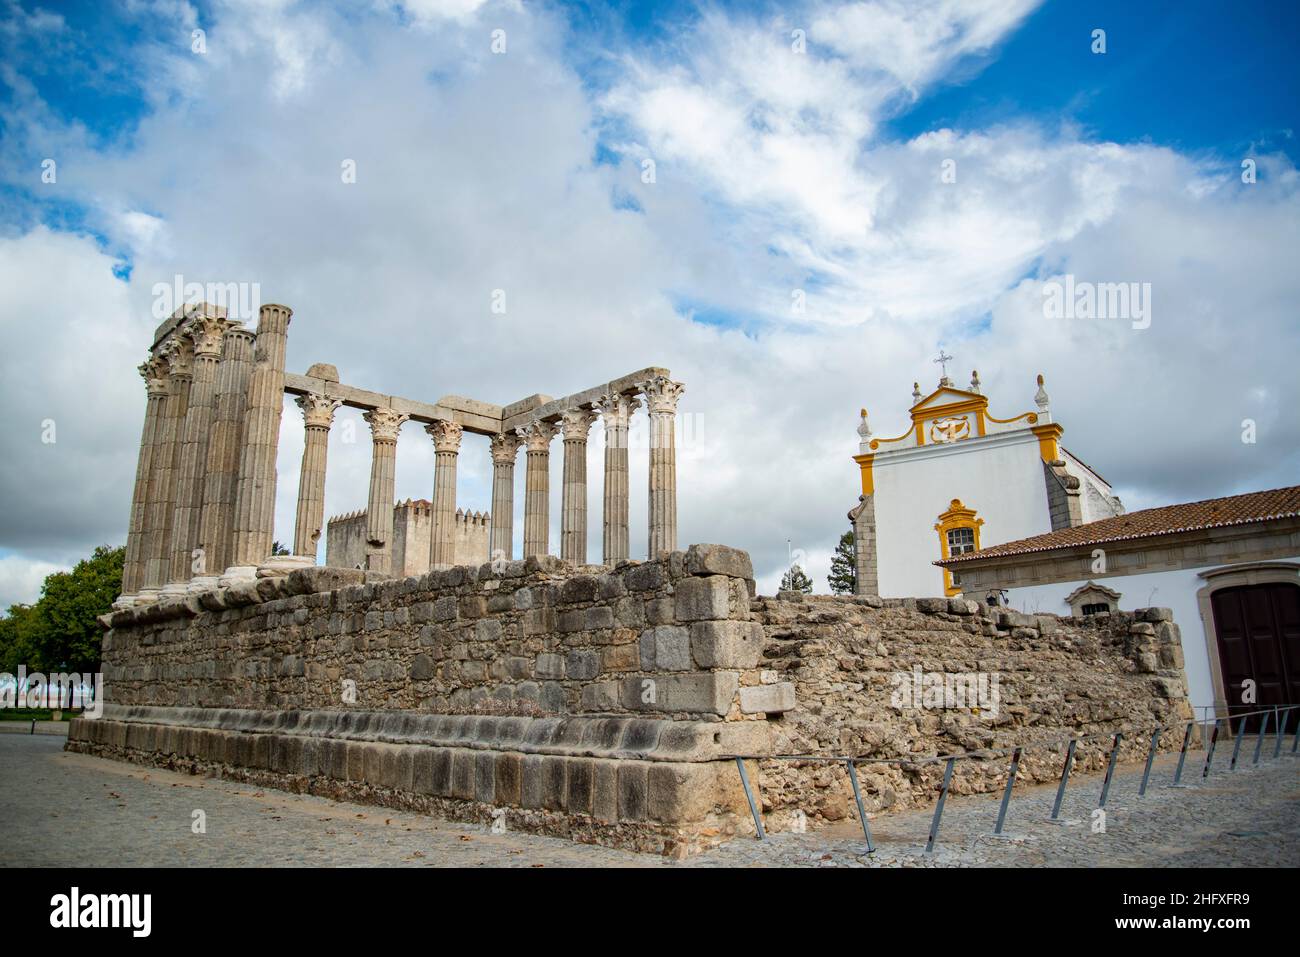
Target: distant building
{"points": [[1229, 568], [345, 538], [961, 479]]}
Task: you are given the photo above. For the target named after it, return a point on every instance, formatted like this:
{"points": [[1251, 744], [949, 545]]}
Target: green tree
{"points": [[60, 632], [843, 578], [278, 549], [796, 580]]}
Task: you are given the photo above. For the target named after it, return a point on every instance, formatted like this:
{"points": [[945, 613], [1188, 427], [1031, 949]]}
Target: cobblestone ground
{"points": [[60, 809]]}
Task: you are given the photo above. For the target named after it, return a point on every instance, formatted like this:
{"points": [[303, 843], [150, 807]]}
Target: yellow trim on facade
{"points": [[1048, 436], [875, 443], [957, 516], [1030, 417], [868, 481]]}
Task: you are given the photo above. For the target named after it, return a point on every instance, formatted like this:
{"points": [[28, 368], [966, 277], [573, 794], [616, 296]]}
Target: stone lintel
{"points": [[553, 408]]}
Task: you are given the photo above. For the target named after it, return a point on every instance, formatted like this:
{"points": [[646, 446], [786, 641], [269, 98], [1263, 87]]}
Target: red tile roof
{"points": [[1167, 520]]}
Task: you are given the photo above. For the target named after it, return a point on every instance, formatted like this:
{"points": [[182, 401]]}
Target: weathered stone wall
{"points": [[1057, 677]]}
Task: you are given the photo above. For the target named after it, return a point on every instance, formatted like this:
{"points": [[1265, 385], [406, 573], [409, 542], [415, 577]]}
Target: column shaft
{"points": [[162, 482], [255, 493], [505, 448], [442, 541], [661, 399], [384, 426], [154, 371], [318, 416], [616, 410], [537, 487], [221, 471], [573, 496]]}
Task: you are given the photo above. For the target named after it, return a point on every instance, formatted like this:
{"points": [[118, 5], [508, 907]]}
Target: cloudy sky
{"points": [[655, 184]]}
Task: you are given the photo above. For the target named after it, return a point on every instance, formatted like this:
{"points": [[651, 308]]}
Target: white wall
{"points": [[1175, 590], [1000, 476]]}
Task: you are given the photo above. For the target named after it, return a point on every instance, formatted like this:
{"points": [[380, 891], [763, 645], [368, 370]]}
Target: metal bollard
{"points": [[1259, 738], [1209, 752], [1065, 777], [1006, 795], [749, 796], [1110, 768], [1182, 755], [1236, 744], [1151, 756], [1277, 723], [938, 808], [862, 813]]}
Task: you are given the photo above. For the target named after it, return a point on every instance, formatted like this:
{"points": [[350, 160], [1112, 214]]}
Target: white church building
{"points": [[960, 479]]}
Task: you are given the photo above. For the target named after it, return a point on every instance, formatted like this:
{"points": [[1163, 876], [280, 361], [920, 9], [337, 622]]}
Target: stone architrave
{"points": [[154, 372], [616, 413], [446, 445], [575, 425], [221, 472], [254, 522], [384, 426], [505, 449], [206, 331], [537, 486], [179, 353], [317, 417], [661, 401]]}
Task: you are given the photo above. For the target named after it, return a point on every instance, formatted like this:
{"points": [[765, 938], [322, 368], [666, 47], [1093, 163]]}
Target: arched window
{"points": [[959, 533]]}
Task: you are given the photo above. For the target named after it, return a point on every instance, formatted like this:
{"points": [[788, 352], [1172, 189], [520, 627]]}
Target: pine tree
{"points": [[796, 580], [843, 578]]}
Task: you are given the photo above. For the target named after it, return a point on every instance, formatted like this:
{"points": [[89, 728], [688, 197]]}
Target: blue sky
{"points": [[781, 175]]}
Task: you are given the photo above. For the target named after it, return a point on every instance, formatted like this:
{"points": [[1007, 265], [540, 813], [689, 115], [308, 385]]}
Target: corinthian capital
{"points": [[154, 372], [206, 332], [179, 353], [317, 410], [538, 435], [446, 435], [616, 410], [384, 423], [505, 446], [662, 394], [576, 423]]}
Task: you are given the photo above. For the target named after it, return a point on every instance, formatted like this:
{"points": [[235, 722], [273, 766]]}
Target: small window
{"points": [[1100, 608], [960, 541]]}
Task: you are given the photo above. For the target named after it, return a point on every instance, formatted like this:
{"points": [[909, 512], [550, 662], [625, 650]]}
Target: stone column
{"points": [[505, 448], [575, 423], [661, 401], [317, 417], [255, 492], [616, 412], [162, 484], [154, 372], [537, 486], [205, 330], [221, 472], [446, 446], [384, 426]]}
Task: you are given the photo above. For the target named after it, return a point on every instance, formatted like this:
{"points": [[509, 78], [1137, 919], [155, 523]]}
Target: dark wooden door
{"points": [[1259, 639]]}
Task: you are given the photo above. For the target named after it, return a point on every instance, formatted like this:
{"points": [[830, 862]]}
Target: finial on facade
{"points": [[916, 392], [975, 381], [943, 361], [1040, 397], [864, 433]]}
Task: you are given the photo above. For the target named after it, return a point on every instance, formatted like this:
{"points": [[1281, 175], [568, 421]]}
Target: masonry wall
{"points": [[1058, 676]]}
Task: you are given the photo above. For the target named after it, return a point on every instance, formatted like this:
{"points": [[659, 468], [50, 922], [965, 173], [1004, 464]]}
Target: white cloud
{"points": [[21, 579]]}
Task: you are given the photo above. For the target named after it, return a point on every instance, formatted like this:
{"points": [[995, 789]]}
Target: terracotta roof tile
{"points": [[1167, 520]]}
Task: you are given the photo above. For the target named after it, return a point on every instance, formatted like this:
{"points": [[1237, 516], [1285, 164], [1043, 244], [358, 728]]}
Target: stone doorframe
{"points": [[1231, 576]]}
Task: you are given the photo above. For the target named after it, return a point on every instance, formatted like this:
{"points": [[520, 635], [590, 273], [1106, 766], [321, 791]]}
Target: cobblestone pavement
{"points": [[62, 809]]}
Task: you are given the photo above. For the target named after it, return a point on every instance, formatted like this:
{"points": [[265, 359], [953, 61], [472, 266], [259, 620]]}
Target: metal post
{"points": [[1259, 739], [1065, 777], [1295, 742], [938, 808], [1277, 723], [749, 796], [1151, 756], [1236, 745], [1110, 767], [1182, 755], [862, 813], [1006, 795], [1209, 751]]}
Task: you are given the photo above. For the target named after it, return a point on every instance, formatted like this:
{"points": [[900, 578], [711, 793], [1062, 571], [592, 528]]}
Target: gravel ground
{"points": [[61, 809]]}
